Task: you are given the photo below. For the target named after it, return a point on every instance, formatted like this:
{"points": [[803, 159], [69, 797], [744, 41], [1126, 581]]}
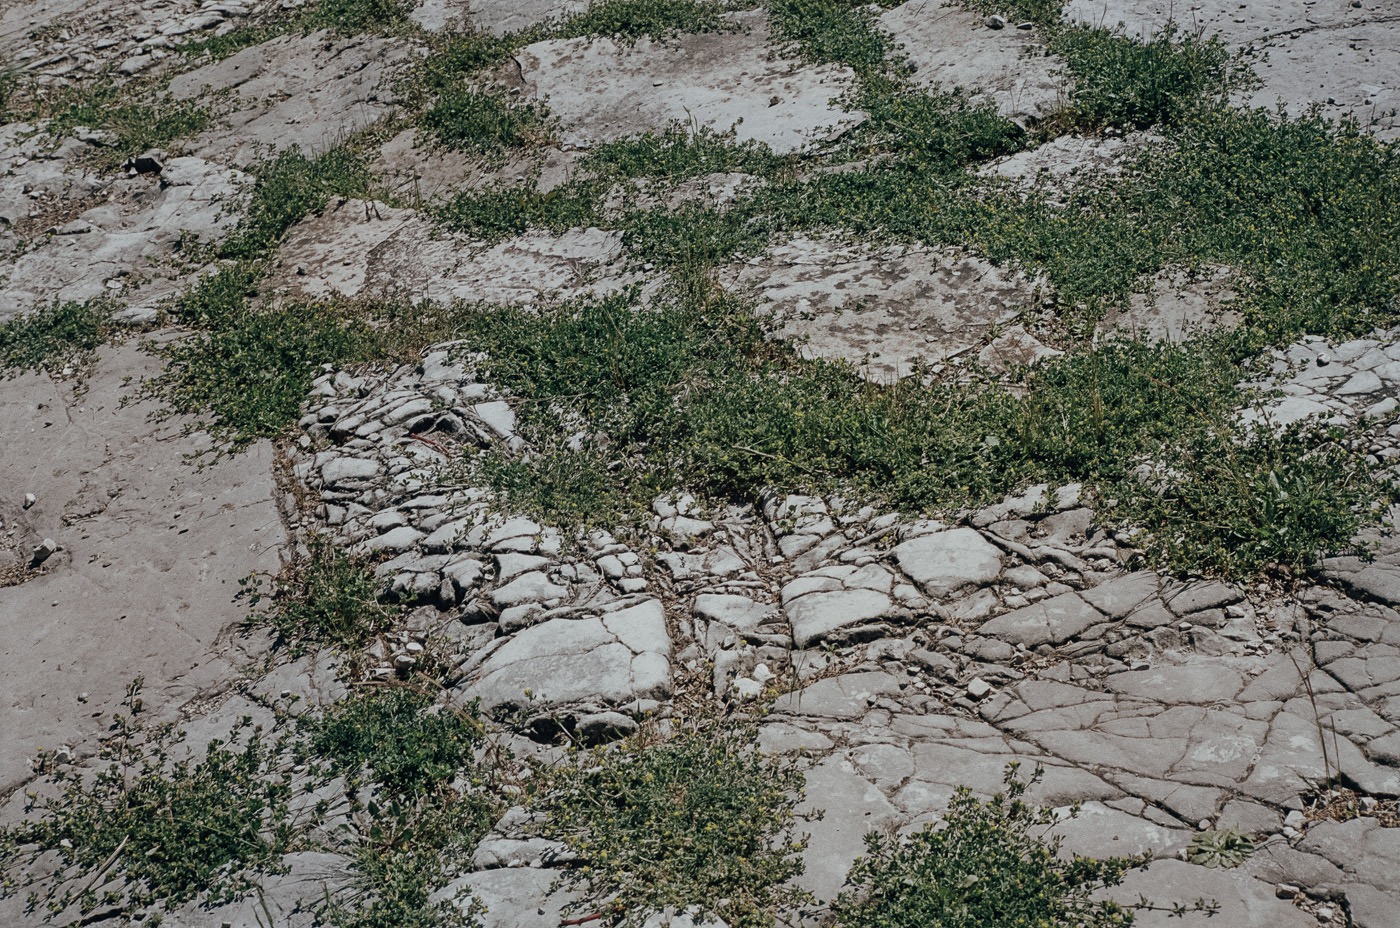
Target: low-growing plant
{"points": [[358, 16], [494, 214], [634, 19], [131, 128], [287, 189], [1220, 848], [483, 122], [325, 598], [988, 862], [677, 153], [420, 798], [1121, 81], [152, 830], [60, 335], [699, 820]]}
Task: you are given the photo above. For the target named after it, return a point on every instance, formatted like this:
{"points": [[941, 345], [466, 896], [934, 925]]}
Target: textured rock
{"points": [[602, 90], [947, 562]]}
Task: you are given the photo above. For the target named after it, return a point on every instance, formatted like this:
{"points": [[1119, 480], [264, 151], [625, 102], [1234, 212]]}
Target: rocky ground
{"points": [[894, 655]]}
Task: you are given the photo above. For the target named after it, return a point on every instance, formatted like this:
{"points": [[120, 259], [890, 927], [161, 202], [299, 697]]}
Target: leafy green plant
{"points": [[326, 598], [1119, 81], [484, 123], [987, 863], [54, 336], [700, 819], [357, 16], [494, 214], [633, 19], [676, 153], [152, 830], [131, 127], [287, 189], [421, 800], [1221, 848]]}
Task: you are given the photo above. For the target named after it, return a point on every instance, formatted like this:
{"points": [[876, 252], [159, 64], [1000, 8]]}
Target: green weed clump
{"points": [[622, 402], [398, 782], [482, 122], [358, 16], [152, 830], [677, 153], [630, 20], [1123, 82], [54, 336], [327, 598], [422, 797], [132, 128], [498, 213], [287, 189], [700, 820], [987, 863]]}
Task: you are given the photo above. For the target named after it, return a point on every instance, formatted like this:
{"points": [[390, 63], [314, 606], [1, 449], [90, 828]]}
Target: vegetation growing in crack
{"points": [[389, 778], [420, 802], [688, 393], [699, 820], [128, 128], [987, 863], [325, 598]]}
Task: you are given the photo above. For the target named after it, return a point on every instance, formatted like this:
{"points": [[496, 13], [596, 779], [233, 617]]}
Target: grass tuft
{"points": [[698, 821], [54, 337]]}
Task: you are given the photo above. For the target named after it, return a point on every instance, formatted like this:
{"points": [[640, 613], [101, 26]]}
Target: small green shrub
{"points": [[700, 819], [249, 377], [133, 127], [219, 47], [676, 153], [326, 598], [483, 123], [54, 336], [693, 236], [496, 214], [988, 863], [151, 830], [289, 188], [832, 32], [358, 16], [634, 19], [422, 799], [1119, 81]]}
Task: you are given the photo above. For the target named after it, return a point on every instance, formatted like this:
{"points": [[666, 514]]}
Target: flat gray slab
{"points": [[367, 249], [154, 548], [602, 90], [954, 50], [1341, 56], [881, 309], [309, 90], [604, 661], [497, 17], [115, 240]]}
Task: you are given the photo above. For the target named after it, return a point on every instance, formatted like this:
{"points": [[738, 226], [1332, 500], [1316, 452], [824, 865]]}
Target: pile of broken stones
{"points": [[912, 656]]}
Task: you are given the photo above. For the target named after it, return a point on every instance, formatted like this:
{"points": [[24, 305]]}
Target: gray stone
{"points": [[737, 612], [533, 587], [1121, 594], [851, 807], [1051, 621], [564, 661], [946, 562], [848, 696], [601, 89]]}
